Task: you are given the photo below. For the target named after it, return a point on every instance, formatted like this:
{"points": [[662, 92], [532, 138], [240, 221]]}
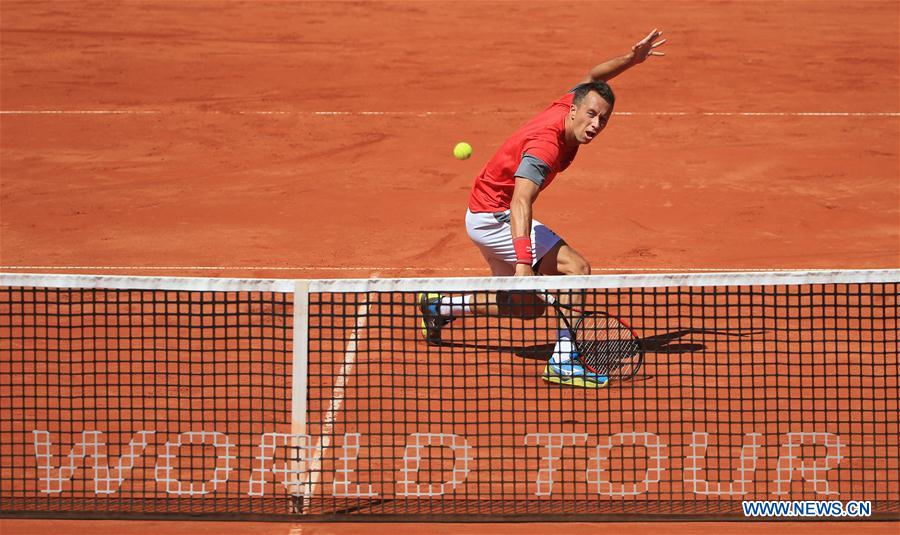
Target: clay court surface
{"points": [[313, 140]]}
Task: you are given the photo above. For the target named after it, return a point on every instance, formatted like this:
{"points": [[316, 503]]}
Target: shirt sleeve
{"points": [[533, 169], [544, 147]]}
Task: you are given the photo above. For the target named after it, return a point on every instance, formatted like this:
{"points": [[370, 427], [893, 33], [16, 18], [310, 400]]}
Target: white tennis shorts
{"points": [[492, 233]]}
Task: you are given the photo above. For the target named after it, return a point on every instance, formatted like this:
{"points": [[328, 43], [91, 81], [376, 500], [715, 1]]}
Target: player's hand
{"points": [[646, 47], [524, 270]]}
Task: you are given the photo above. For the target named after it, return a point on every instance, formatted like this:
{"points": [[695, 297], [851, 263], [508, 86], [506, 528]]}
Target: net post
{"points": [[299, 391]]}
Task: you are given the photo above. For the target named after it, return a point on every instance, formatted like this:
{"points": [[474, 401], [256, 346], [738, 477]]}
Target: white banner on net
{"points": [[462, 284], [459, 284]]}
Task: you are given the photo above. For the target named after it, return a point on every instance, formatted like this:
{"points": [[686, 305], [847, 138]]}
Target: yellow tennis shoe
{"points": [[573, 373], [432, 320]]}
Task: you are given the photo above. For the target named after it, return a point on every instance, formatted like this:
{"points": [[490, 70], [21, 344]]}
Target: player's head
{"points": [[591, 107]]}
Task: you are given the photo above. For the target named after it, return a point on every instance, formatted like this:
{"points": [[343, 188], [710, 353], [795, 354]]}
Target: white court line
{"points": [[234, 268], [620, 113], [337, 399], [452, 113], [385, 268], [80, 112], [768, 113]]}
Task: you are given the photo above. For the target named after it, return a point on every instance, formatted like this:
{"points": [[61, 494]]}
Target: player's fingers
{"points": [[655, 53], [656, 44]]}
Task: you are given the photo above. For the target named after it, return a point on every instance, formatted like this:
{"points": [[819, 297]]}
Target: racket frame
{"points": [[574, 329]]}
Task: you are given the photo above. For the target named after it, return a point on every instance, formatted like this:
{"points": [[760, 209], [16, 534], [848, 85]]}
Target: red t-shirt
{"points": [[542, 137]]}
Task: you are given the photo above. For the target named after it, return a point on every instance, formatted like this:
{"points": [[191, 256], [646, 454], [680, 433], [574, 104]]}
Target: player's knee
{"points": [[578, 266], [584, 268]]}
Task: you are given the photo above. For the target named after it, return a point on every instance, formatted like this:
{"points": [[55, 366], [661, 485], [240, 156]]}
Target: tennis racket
{"points": [[606, 344]]}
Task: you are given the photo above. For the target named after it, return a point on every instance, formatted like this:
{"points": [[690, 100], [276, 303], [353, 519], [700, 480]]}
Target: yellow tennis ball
{"points": [[462, 150]]}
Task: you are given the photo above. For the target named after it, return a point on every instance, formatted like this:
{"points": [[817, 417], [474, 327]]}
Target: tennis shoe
{"points": [[432, 320], [573, 373]]}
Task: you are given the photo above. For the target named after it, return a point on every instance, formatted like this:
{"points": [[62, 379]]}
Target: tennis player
{"points": [[499, 218]]}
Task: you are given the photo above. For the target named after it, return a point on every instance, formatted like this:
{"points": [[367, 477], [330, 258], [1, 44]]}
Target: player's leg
{"points": [[562, 259], [564, 366], [438, 310], [491, 234]]}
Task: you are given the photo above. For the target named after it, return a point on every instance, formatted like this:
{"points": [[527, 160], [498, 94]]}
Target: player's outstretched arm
{"points": [[639, 53]]}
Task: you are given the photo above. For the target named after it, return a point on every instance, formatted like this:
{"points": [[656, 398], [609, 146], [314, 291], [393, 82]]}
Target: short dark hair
{"points": [[600, 87]]}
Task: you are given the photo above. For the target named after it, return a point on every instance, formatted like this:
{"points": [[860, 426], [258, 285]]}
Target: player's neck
{"points": [[569, 137], [569, 132]]}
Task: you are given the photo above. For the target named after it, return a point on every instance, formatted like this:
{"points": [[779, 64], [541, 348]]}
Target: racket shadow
{"points": [[669, 343]]}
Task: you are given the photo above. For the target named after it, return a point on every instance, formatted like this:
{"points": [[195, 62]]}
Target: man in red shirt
{"points": [[499, 219]]}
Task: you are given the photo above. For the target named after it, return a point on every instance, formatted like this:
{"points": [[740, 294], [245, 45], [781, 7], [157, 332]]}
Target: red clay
{"points": [[201, 184], [199, 180]]}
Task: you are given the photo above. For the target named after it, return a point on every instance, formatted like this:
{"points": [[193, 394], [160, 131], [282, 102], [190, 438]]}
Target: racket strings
{"points": [[608, 346]]}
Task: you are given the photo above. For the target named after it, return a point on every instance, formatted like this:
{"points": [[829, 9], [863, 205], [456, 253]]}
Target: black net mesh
{"points": [[140, 401], [179, 402]]}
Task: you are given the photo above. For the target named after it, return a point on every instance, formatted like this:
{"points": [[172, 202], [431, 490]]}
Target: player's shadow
{"points": [[670, 343]]}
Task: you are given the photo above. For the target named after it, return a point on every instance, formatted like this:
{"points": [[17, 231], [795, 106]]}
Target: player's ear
{"points": [[572, 109]]}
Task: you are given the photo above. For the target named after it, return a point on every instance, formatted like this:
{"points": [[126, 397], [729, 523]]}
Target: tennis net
{"points": [[133, 396]]}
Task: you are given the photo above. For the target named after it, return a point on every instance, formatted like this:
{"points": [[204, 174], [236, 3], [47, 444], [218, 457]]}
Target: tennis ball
{"points": [[462, 150]]}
